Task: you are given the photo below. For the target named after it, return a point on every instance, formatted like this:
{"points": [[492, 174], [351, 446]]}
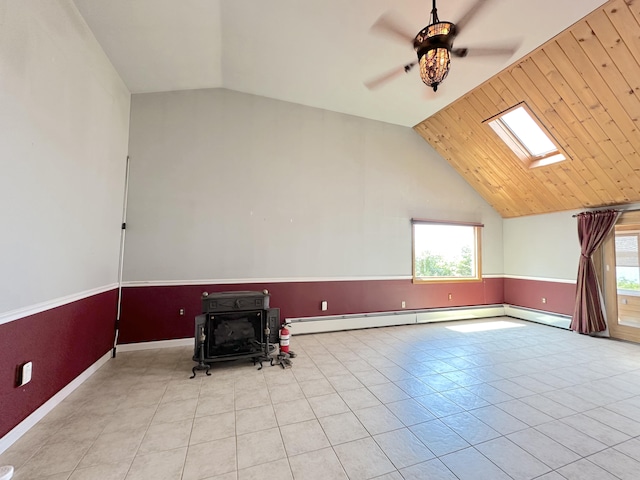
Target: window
{"points": [[627, 258], [446, 251], [523, 133]]}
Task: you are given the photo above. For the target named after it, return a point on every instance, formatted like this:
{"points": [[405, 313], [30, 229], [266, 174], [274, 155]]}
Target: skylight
{"points": [[523, 133], [528, 132]]}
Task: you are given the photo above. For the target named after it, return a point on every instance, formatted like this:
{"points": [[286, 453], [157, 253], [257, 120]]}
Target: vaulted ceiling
{"points": [[312, 52], [584, 86]]}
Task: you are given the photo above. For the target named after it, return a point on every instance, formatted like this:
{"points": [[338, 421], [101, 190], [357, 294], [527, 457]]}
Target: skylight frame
{"points": [[511, 139]]}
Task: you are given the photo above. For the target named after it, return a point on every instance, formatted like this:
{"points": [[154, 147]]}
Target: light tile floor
{"points": [[488, 399]]}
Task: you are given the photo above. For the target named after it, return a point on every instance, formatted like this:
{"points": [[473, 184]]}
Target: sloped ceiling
{"points": [[312, 52], [584, 86]]}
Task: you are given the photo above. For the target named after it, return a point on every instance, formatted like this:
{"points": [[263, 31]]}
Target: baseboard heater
{"points": [[356, 321], [336, 323], [386, 319], [538, 316]]}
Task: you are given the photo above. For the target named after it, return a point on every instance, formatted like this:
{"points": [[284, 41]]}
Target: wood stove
{"points": [[235, 325]]}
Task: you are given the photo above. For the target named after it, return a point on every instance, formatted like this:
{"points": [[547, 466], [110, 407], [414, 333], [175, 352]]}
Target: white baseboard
{"points": [[350, 322], [460, 313], [179, 342], [335, 323], [538, 316], [24, 426], [385, 319]]}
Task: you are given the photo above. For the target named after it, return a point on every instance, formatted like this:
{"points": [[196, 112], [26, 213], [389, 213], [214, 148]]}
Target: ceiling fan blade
{"points": [[505, 51], [388, 76], [390, 25], [470, 13]]}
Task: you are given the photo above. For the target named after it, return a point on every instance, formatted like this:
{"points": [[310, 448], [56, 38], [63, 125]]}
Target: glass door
{"points": [[621, 255]]}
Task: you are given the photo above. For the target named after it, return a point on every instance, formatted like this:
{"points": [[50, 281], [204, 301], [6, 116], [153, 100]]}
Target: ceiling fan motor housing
{"points": [[435, 35]]}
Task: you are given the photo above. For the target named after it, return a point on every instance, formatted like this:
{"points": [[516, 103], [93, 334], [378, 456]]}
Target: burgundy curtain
{"points": [[588, 315]]}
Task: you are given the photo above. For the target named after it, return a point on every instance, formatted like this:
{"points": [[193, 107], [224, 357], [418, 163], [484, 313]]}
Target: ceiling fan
{"points": [[434, 46]]}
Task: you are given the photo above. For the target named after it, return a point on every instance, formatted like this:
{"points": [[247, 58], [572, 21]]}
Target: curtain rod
{"points": [[611, 209], [446, 222]]}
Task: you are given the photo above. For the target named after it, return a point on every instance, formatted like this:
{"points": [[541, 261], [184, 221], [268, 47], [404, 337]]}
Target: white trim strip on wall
{"points": [[24, 426], [224, 281], [231, 281], [19, 313], [541, 279]]}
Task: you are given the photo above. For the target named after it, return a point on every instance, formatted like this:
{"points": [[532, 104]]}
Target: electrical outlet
{"points": [[6, 472], [324, 306], [24, 373], [450, 296], [181, 311], [544, 300], [404, 304]]}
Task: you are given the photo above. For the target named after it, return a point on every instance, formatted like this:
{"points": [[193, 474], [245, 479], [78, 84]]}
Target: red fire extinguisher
{"points": [[285, 335]]}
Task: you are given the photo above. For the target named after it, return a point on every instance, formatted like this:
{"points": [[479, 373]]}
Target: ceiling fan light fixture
{"points": [[434, 66], [433, 46]]}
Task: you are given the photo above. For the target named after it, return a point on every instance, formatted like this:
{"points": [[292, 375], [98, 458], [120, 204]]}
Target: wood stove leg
{"points": [[267, 350], [201, 365]]}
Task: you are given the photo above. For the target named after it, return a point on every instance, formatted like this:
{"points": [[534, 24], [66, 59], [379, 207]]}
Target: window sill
{"points": [[447, 280]]}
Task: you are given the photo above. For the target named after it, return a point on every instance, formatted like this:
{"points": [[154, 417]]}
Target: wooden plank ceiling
{"points": [[584, 86]]}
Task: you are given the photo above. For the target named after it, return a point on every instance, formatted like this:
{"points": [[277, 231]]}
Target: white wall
{"points": [[226, 185], [543, 246], [64, 118]]}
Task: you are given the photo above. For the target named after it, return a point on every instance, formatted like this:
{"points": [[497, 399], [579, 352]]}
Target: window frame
{"points": [[477, 232], [518, 148]]}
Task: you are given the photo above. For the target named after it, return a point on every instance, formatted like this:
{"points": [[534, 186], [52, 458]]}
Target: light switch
{"points": [[25, 373]]}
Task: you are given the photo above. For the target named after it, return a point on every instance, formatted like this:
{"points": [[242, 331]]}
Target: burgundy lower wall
{"points": [[61, 343], [66, 340], [152, 313], [529, 293]]}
